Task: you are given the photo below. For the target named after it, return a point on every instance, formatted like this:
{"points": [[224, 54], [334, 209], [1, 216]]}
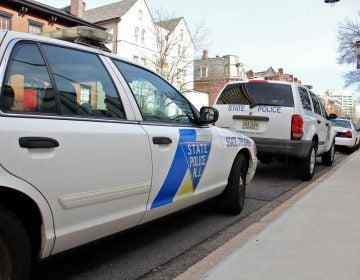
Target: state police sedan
{"points": [[92, 144]]}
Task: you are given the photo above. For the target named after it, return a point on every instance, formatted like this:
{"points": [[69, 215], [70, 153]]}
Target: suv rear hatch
{"points": [[257, 108]]}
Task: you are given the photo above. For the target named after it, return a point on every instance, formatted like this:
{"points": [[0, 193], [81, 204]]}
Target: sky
{"points": [[299, 36]]}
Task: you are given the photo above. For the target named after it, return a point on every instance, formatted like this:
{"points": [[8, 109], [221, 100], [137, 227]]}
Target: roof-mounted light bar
{"points": [[82, 35]]}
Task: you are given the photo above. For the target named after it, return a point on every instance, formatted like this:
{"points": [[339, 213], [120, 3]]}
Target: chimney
{"points": [[281, 71], [205, 54], [77, 8]]}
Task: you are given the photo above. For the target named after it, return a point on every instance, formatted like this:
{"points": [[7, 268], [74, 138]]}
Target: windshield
{"points": [[257, 94], [341, 123]]}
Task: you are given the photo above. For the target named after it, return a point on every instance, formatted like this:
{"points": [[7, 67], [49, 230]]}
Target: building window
{"points": [[140, 15], [85, 94], [5, 20], [182, 34], [35, 27], [203, 72], [136, 34], [136, 58], [143, 61], [143, 37]]}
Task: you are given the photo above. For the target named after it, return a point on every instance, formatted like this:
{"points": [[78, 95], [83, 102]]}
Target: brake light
{"points": [[348, 134], [297, 131]]}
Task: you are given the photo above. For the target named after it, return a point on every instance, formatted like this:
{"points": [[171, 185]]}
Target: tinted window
{"points": [[84, 86], [316, 103], [305, 99], [27, 85], [257, 94], [157, 100], [341, 123]]}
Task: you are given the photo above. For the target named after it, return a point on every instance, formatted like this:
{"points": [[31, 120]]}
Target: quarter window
{"points": [[157, 100], [27, 84], [84, 86]]}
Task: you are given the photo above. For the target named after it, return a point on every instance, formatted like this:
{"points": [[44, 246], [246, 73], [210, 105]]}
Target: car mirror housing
{"points": [[208, 115]]}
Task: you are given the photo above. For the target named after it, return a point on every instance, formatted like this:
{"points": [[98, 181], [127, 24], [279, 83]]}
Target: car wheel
{"points": [[328, 157], [15, 252], [232, 198], [306, 166]]}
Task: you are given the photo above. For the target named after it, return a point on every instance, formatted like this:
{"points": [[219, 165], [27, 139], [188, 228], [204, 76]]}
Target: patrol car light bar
{"points": [[83, 35]]}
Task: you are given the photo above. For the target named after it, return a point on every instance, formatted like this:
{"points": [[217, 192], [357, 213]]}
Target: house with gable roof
{"points": [[165, 46], [176, 53]]}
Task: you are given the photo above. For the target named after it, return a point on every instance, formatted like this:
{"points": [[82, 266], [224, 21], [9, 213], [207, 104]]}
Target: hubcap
{"points": [[5, 261]]}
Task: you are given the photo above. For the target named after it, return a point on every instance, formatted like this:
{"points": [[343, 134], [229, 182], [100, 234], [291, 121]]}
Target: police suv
{"points": [[286, 120], [92, 144]]}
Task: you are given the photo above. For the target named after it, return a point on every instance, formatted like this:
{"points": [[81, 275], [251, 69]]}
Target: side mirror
{"points": [[332, 116], [208, 115]]}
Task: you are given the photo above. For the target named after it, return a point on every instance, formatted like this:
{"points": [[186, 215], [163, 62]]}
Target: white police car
{"points": [[286, 120], [92, 144]]}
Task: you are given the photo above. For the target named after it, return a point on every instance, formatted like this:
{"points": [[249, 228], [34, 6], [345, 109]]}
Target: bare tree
{"points": [[348, 34], [175, 51]]}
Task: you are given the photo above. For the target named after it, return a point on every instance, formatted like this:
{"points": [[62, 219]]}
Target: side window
{"points": [[324, 113], [27, 86], [157, 100], [316, 103], [305, 99], [84, 86]]}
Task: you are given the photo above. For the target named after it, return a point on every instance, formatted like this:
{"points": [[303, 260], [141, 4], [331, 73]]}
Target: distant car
{"points": [[286, 120], [347, 135]]}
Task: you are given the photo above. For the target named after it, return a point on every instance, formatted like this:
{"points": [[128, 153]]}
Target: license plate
{"points": [[250, 124]]}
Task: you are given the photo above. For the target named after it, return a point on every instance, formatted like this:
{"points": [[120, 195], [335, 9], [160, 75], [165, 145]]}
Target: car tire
{"points": [[306, 166], [15, 252], [232, 198], [328, 158]]}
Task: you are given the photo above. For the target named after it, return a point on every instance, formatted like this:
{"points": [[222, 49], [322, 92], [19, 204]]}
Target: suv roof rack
{"points": [[83, 35]]}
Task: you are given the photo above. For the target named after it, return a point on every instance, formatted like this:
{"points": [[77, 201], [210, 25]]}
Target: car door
{"points": [[65, 131], [183, 153], [320, 122]]}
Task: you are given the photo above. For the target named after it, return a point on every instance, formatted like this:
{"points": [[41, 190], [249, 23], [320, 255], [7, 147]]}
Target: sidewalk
{"points": [[316, 237]]}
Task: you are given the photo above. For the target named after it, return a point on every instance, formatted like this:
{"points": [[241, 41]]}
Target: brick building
{"points": [[34, 17], [212, 74], [271, 74]]}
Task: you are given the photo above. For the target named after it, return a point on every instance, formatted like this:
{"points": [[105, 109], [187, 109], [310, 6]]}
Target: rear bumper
{"points": [[278, 147], [345, 142]]}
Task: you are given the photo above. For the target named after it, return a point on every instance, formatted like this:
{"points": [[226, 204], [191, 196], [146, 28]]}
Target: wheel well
{"points": [[27, 212], [246, 153], [316, 140]]}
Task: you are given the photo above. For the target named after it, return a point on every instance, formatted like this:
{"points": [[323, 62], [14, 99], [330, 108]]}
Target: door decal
{"points": [[186, 169]]}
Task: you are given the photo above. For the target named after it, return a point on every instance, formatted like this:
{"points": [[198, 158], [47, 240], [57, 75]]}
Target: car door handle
{"points": [[37, 142], [318, 121], [162, 140]]}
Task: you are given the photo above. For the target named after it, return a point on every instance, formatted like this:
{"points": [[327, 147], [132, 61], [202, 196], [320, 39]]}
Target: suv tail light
{"points": [[348, 134], [297, 131]]}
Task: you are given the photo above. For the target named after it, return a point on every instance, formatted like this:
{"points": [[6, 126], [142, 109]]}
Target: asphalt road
{"points": [[165, 248]]}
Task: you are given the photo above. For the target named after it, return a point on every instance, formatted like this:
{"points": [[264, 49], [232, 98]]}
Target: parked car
{"points": [[286, 120], [347, 136], [92, 144]]}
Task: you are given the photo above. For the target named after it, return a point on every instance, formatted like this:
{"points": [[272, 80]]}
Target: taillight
{"points": [[297, 131], [348, 134]]}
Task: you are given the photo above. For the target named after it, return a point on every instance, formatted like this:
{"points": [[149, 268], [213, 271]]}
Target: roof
{"points": [[60, 13], [111, 11], [267, 73], [170, 24]]}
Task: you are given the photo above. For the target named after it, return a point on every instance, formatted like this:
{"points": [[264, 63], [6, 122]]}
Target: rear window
{"points": [[257, 94], [341, 123]]}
